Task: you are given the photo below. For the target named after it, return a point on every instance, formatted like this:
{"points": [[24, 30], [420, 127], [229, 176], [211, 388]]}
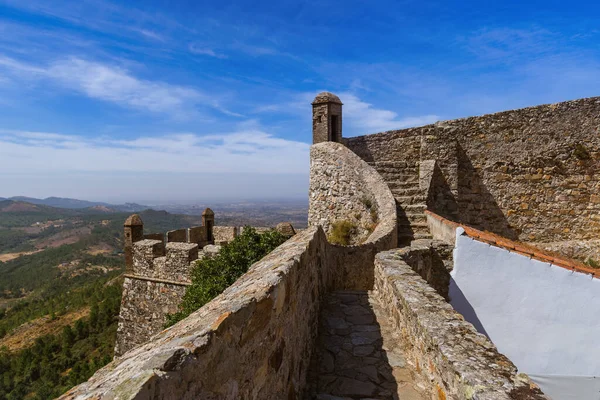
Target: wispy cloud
{"points": [[117, 85], [248, 151], [205, 51], [149, 34], [506, 45], [367, 117]]}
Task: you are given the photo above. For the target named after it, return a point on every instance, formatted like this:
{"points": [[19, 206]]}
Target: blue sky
{"points": [[160, 101]]}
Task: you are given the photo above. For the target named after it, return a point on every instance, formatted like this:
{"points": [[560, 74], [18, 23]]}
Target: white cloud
{"points": [[185, 167], [117, 85], [149, 34], [247, 151], [365, 116], [205, 51]]}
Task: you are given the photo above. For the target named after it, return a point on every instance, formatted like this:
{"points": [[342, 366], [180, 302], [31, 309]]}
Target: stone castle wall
{"points": [[447, 352], [345, 188], [156, 279], [528, 174]]}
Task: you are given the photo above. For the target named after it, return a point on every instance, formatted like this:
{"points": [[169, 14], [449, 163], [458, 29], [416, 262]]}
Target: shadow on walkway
{"points": [[352, 360]]}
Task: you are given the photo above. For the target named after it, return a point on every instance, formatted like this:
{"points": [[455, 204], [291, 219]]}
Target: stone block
{"points": [[177, 264], [179, 235], [197, 234], [144, 253]]}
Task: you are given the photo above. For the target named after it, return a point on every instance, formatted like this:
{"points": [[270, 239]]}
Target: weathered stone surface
{"points": [[253, 341], [144, 307], [224, 234], [525, 174], [357, 360], [345, 188], [286, 229], [180, 235], [340, 185], [447, 351]]}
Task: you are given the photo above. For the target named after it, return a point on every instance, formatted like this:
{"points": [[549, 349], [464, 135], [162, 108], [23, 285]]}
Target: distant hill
{"points": [[61, 202], [19, 206]]}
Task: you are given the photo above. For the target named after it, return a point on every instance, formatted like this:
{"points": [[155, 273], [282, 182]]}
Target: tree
{"points": [[212, 275], [68, 337]]}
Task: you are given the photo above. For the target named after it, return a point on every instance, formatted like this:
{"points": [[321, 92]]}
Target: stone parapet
{"points": [[224, 234], [151, 259], [447, 352], [345, 188], [254, 341]]}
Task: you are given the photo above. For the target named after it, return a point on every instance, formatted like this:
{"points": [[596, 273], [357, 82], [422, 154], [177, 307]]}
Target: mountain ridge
{"points": [[75, 204]]}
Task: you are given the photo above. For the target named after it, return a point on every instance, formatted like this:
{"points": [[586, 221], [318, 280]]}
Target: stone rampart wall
{"points": [[144, 306], [528, 174], [253, 341], [447, 352], [152, 289], [345, 188]]}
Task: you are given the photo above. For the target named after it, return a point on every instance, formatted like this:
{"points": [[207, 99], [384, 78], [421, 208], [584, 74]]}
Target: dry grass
{"points": [[341, 232]]}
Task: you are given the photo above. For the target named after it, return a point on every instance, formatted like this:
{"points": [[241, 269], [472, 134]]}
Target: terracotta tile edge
{"points": [[519, 247]]}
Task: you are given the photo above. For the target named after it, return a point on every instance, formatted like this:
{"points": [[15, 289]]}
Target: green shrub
{"points": [[592, 263], [367, 202], [211, 276], [341, 232], [581, 152]]}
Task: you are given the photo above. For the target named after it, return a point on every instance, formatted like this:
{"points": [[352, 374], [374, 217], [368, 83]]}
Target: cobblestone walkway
{"points": [[358, 355]]}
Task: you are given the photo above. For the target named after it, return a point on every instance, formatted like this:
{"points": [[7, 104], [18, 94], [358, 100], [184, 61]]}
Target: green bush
{"points": [[581, 152], [211, 276], [341, 232]]}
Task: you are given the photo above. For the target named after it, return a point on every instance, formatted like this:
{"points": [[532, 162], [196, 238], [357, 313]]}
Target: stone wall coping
{"points": [[181, 246], [157, 280], [518, 247], [147, 243], [416, 131]]}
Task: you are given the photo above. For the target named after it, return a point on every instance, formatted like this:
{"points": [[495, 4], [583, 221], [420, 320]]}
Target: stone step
{"points": [[390, 177], [403, 185], [416, 218], [389, 172], [408, 200], [415, 208], [406, 192], [394, 164], [403, 237], [416, 227]]}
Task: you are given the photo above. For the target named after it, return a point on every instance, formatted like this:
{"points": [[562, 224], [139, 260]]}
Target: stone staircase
{"points": [[403, 180]]}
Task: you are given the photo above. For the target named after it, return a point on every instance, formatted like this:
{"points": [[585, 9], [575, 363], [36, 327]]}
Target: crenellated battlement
{"points": [[158, 270], [172, 262]]}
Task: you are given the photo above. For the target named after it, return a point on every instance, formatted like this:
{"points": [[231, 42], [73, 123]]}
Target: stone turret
{"points": [[208, 220], [134, 232], [327, 118]]}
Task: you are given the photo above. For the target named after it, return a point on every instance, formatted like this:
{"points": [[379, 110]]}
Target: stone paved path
{"points": [[358, 354]]}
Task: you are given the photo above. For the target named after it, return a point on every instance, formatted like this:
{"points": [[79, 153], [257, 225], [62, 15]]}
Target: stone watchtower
{"points": [[208, 220], [327, 118], [134, 232]]}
